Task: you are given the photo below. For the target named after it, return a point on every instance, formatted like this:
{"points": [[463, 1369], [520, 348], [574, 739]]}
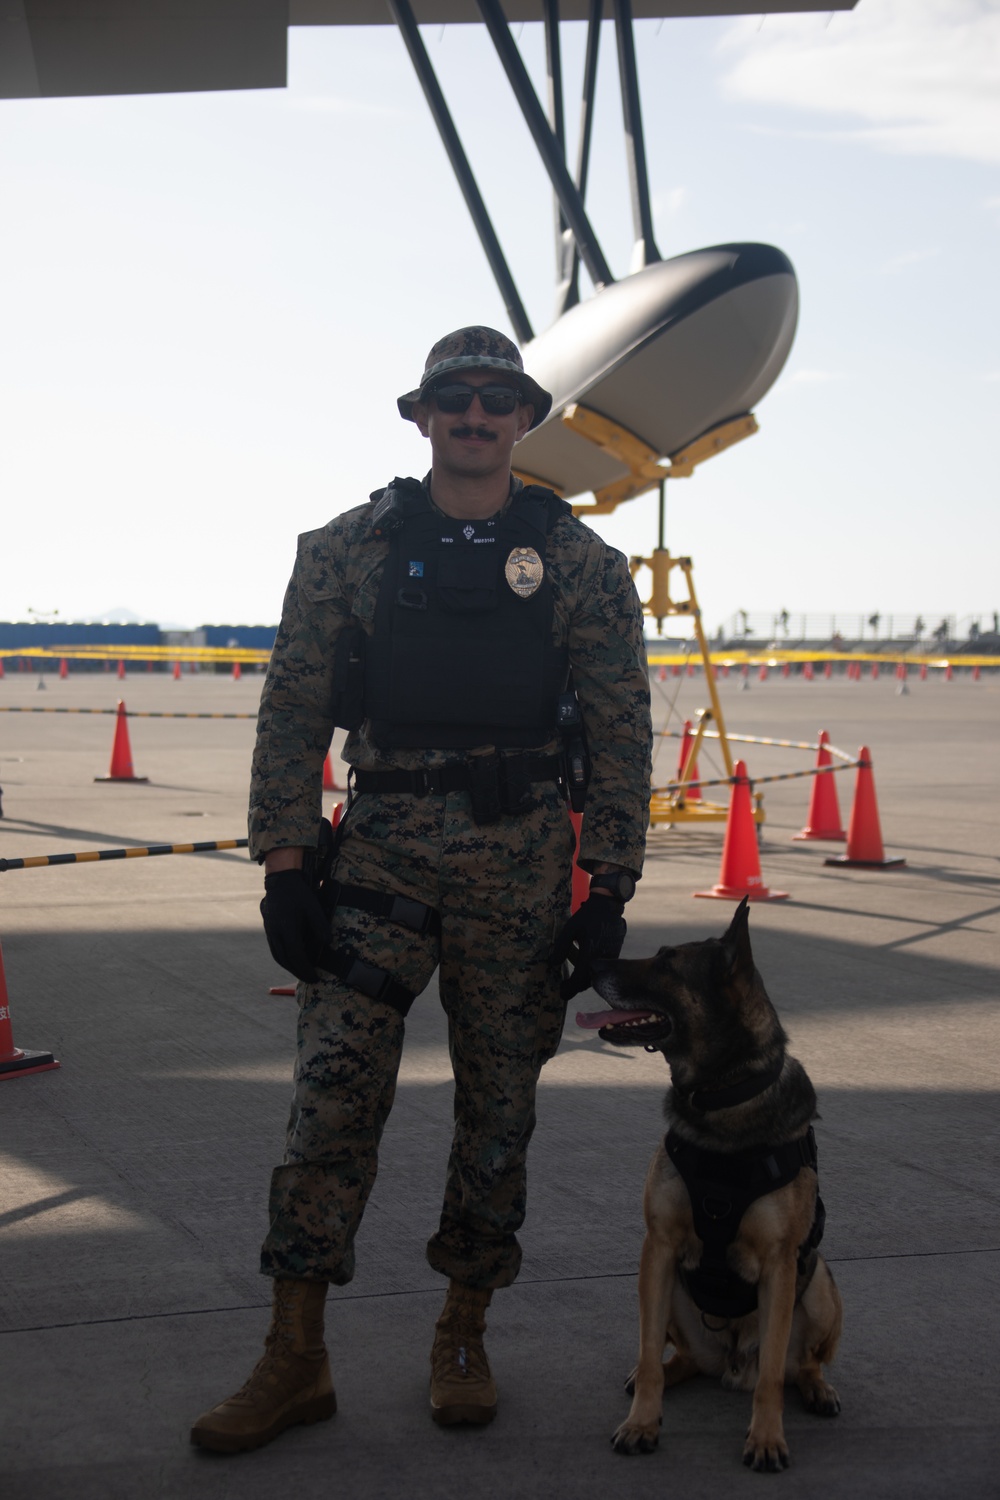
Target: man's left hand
{"points": [[595, 931]]}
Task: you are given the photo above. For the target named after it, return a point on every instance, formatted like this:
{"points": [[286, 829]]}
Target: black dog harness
{"points": [[722, 1185]]}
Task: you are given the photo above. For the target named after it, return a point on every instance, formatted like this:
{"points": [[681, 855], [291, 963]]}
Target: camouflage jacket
{"points": [[336, 578]]}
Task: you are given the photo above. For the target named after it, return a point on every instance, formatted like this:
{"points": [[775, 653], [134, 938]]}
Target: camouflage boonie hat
{"points": [[477, 348]]}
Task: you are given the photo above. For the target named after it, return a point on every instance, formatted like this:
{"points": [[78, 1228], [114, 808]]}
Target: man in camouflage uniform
{"points": [[406, 622]]}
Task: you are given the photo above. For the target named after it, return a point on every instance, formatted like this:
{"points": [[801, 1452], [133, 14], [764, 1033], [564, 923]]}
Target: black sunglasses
{"points": [[496, 400]]}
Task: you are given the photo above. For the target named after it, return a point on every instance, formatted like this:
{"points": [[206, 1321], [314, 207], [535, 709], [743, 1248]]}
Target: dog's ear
{"points": [[736, 939]]}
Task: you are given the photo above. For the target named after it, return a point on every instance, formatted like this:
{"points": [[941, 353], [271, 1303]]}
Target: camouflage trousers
{"points": [[502, 893]]}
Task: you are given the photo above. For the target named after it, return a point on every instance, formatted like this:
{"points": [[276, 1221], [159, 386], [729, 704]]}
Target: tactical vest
{"points": [[461, 653]]}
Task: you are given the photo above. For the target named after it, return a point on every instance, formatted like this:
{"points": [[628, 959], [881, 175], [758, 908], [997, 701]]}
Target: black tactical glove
{"points": [[596, 930], [295, 924]]}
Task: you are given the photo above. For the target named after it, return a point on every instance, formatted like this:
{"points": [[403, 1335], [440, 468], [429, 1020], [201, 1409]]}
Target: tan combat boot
{"points": [[462, 1388], [290, 1384]]}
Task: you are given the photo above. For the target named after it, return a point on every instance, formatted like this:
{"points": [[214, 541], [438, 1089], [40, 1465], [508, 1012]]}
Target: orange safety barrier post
{"points": [[864, 831], [823, 818], [739, 874], [63, 668], [177, 671], [15, 1062], [687, 772], [237, 671], [121, 752]]}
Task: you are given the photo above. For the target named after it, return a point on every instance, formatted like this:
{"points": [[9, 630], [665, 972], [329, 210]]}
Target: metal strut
{"points": [[402, 14], [644, 252], [553, 158]]}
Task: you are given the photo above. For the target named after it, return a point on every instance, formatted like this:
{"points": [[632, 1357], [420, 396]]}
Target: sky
{"points": [[211, 302]]}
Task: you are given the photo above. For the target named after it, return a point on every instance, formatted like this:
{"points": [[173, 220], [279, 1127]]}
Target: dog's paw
{"points": [[820, 1399], [632, 1438], [765, 1454]]}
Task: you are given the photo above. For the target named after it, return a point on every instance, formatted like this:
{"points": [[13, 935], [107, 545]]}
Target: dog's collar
{"points": [[707, 1100]]}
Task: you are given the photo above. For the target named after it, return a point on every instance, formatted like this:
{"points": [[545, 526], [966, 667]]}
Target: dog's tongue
{"points": [[598, 1018]]}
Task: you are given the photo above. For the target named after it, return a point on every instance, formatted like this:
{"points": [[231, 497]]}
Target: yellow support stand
{"points": [[675, 806]]}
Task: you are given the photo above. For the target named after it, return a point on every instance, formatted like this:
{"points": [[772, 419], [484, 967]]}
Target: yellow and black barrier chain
{"points": [[685, 786], [142, 851], [753, 739], [128, 713]]}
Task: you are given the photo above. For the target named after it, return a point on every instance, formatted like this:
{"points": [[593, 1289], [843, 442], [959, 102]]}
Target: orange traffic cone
{"points": [[177, 671], [828, 670], [823, 818], [687, 742], [923, 671], [121, 671], [874, 672], [807, 671], [121, 752], [762, 674], [661, 675], [864, 832], [2, 672], [739, 874], [975, 673], [237, 671], [15, 1063], [64, 668], [581, 880]]}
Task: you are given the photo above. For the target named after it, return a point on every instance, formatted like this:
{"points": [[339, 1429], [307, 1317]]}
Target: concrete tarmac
{"points": [[134, 1179]]}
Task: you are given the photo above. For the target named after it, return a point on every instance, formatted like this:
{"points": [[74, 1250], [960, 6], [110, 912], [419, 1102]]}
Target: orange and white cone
{"points": [[121, 752], [823, 818], [739, 874], [329, 779], [692, 793], [16, 1062], [864, 831]]}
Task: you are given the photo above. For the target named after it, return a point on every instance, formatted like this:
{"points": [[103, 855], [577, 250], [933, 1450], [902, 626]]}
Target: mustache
{"points": [[467, 431]]}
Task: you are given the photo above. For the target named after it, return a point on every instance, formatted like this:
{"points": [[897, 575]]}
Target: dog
{"points": [[729, 1277]]}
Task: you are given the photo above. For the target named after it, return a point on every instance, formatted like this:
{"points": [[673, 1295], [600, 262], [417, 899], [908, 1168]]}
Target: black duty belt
{"points": [[456, 777], [496, 784]]}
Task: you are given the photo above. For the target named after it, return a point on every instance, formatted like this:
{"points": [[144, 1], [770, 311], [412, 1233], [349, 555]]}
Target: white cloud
{"points": [[923, 74], [909, 258]]}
